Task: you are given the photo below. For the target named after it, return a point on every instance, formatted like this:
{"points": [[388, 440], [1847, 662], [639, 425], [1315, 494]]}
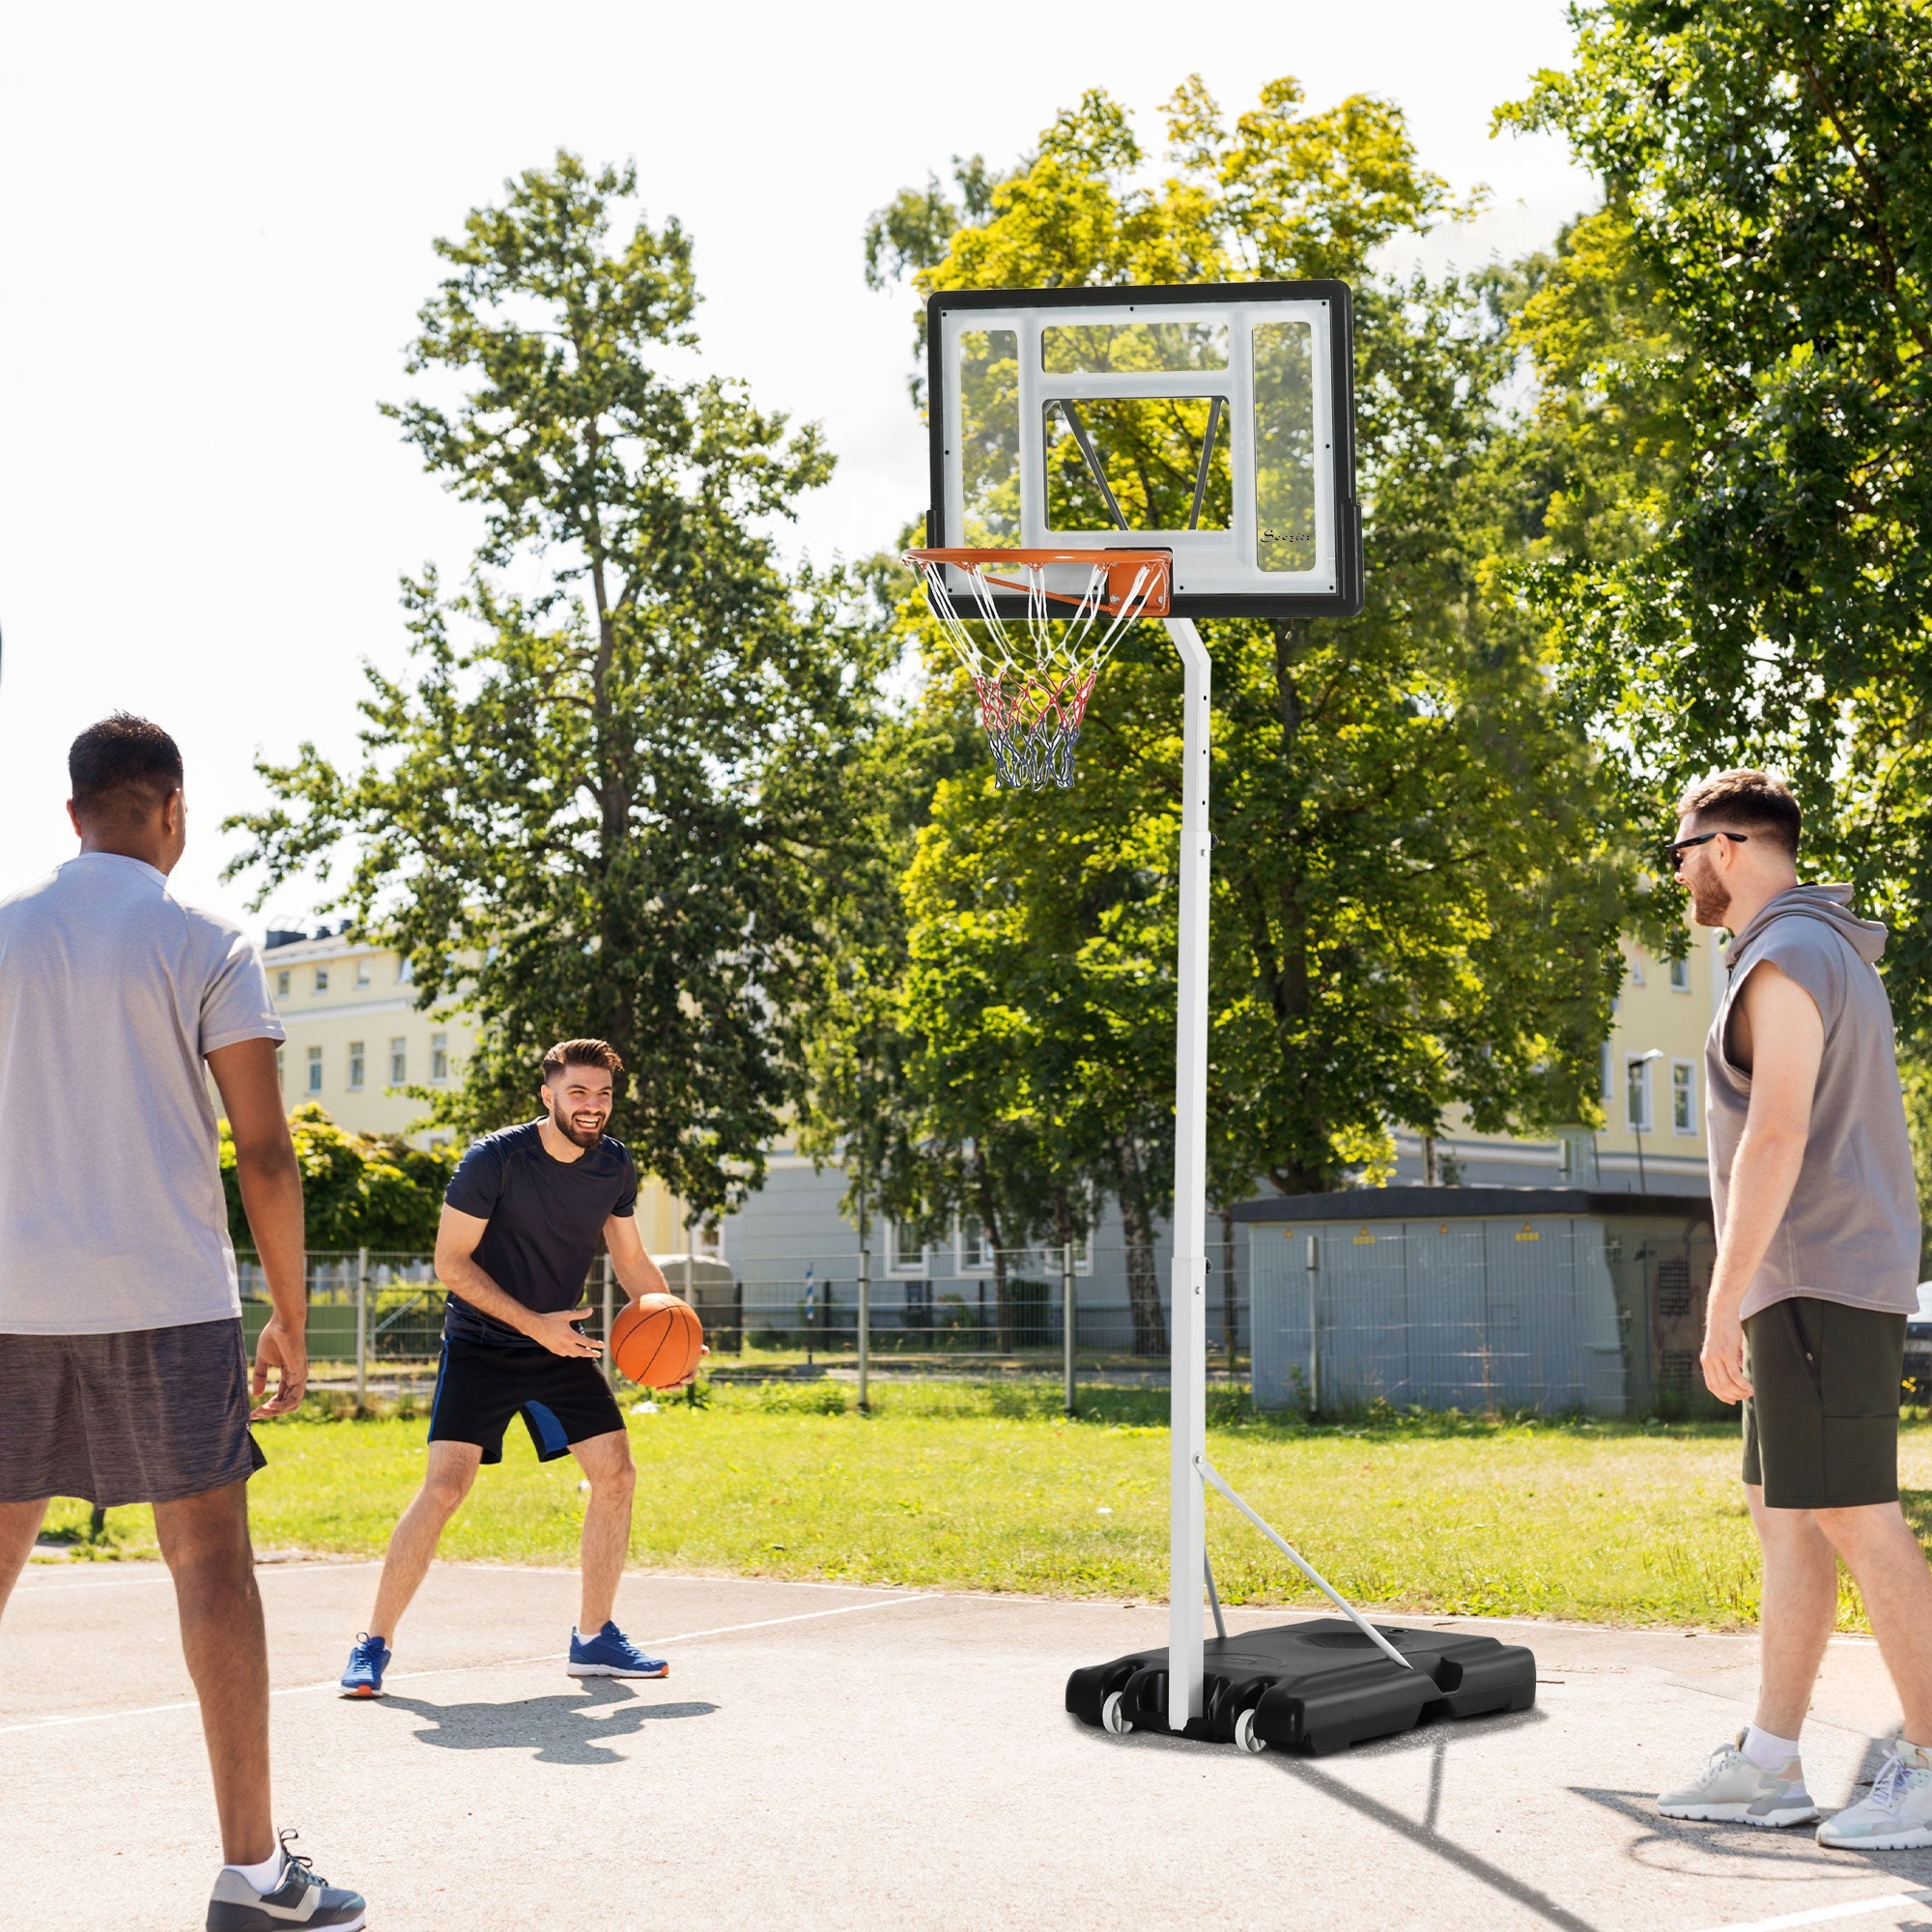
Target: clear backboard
{"points": [[1214, 421]]}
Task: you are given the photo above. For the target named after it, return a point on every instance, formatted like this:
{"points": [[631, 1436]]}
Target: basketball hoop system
{"points": [[1034, 684], [1251, 382]]}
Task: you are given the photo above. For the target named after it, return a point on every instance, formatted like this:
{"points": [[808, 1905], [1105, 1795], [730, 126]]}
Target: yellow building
{"points": [[1651, 1076], [358, 1041]]}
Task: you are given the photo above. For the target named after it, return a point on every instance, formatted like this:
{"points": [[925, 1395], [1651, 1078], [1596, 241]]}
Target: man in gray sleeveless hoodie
{"points": [[1817, 1269]]}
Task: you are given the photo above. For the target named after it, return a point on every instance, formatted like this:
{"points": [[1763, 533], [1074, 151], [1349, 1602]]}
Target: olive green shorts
{"points": [[1821, 1425]]}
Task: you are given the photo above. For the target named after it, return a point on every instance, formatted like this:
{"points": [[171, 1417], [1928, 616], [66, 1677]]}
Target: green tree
{"points": [[1417, 880], [1745, 335], [358, 1190], [608, 799]]}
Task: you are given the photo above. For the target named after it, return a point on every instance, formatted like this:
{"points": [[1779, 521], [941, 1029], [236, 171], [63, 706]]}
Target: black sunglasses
{"points": [[1673, 853]]}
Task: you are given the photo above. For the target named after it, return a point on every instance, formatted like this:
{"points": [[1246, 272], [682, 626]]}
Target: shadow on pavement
{"points": [[1423, 1834], [559, 1730], [1794, 1854], [1437, 1740]]}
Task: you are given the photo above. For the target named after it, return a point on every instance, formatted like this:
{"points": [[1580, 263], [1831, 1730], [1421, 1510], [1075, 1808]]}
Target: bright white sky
{"points": [[217, 224]]}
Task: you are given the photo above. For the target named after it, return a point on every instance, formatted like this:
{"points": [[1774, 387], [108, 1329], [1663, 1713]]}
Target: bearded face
{"points": [[1709, 897], [579, 1100], [583, 1126]]}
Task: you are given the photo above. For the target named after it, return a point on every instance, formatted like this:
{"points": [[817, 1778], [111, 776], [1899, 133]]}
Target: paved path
{"points": [[832, 1757]]}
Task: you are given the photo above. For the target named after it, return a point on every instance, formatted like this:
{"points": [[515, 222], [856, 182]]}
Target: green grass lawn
{"points": [[989, 1488]]}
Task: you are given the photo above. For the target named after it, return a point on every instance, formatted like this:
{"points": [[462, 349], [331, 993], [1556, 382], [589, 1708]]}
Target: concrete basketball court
{"points": [[831, 1756]]}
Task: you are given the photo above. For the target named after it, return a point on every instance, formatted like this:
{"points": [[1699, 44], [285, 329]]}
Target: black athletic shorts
{"points": [[562, 1398], [1821, 1425]]}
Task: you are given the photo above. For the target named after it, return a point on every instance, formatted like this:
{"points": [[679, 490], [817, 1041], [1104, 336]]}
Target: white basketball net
{"points": [[1033, 685]]}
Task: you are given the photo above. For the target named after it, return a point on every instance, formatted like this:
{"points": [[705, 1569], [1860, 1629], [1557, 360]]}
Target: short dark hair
{"points": [[124, 767], [1754, 802], [580, 1053]]}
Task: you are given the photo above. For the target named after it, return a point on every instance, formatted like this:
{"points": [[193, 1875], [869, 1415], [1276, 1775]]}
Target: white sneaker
{"points": [[1733, 1790], [1897, 1816]]}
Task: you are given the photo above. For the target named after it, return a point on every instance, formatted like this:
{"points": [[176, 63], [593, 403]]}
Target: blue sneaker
{"points": [[611, 1653], [367, 1663]]}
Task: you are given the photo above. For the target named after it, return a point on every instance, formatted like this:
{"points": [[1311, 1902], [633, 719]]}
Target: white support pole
{"points": [[1070, 1326], [361, 1325], [1187, 1529], [864, 1308]]}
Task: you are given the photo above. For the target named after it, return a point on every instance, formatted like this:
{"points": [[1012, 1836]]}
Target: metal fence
{"points": [[1558, 1314], [380, 1315], [1554, 1313]]}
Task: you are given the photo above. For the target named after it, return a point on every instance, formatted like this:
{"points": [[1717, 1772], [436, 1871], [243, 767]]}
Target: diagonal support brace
{"points": [[1209, 1474]]}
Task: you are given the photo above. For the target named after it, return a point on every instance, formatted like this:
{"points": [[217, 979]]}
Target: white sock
{"points": [[1767, 1753], [265, 1876]]}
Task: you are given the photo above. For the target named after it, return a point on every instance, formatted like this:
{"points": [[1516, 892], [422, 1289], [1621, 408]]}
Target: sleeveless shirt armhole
{"points": [[1808, 959]]}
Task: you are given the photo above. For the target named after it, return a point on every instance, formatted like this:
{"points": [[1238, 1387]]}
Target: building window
{"points": [[1635, 974], [902, 1255], [969, 1247], [399, 1062], [322, 978], [1682, 1097], [1606, 1090], [438, 1056], [1636, 1095], [283, 982], [405, 973], [314, 1069], [356, 1058], [362, 976], [1680, 976]]}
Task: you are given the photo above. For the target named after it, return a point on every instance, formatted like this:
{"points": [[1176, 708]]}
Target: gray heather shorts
{"points": [[149, 1416]]}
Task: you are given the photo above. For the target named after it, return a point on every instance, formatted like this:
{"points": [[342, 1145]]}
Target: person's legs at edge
{"points": [[1892, 1575], [607, 1525], [450, 1468], [1890, 1570], [205, 1543], [19, 1525], [1800, 1604]]}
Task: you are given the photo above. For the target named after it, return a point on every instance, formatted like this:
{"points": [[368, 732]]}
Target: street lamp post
{"points": [[1638, 1114]]}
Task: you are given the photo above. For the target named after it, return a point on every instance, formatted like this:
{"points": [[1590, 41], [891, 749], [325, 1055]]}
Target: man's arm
{"points": [[457, 1268], [1787, 1043], [636, 1271], [271, 1196]]}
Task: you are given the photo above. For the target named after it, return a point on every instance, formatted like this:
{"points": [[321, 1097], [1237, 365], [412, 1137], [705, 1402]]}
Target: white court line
{"points": [[1819, 1915], [451, 1670], [160, 1575], [165, 1575]]}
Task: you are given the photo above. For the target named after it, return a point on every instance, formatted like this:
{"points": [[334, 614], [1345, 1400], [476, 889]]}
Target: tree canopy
{"points": [[608, 797], [358, 1190], [1734, 356]]}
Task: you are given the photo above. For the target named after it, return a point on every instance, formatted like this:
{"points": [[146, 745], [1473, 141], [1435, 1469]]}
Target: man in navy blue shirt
{"points": [[520, 1223]]}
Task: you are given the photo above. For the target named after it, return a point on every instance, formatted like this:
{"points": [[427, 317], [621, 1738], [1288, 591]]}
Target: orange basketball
{"points": [[655, 1342]]}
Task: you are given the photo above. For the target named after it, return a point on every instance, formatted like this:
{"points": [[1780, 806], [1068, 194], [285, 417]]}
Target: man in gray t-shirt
{"points": [[123, 1376], [1817, 1267]]}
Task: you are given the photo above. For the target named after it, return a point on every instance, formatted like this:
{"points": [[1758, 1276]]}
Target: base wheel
{"points": [[1245, 1738], [1113, 1717]]}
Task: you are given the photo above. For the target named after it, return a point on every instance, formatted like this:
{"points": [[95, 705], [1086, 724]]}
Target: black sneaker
{"points": [[299, 1897]]}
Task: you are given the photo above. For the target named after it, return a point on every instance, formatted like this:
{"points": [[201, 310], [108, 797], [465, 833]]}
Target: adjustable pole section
{"points": [[1187, 1529]]}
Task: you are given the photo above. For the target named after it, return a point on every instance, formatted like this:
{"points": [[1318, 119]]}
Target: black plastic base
{"points": [[1316, 1686]]}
